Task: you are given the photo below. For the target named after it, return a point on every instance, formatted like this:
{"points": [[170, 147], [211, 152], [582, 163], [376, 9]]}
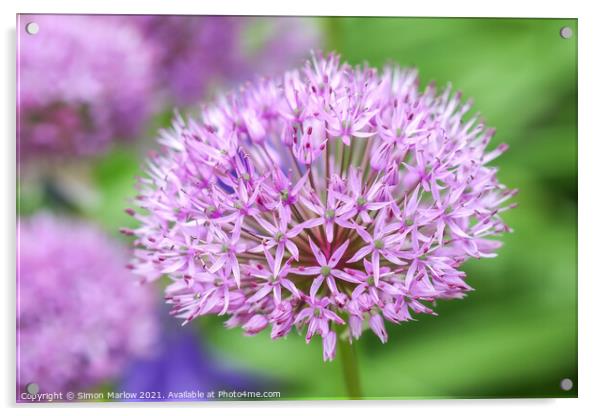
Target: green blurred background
{"points": [[516, 335]]}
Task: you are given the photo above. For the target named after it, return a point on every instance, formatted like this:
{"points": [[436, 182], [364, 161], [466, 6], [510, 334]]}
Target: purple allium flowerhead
{"points": [[330, 198], [84, 81], [80, 314]]}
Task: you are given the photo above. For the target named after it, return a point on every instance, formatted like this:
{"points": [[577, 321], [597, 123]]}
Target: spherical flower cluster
{"points": [[80, 314], [83, 82], [331, 198]]}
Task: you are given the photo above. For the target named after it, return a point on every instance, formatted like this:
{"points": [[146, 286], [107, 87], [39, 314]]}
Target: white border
{"points": [[590, 151]]}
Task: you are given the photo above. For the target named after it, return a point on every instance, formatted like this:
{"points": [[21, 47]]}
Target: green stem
{"points": [[348, 358]]}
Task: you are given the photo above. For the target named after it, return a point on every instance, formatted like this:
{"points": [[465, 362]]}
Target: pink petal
{"points": [[315, 286], [292, 248], [260, 294], [361, 253], [339, 252], [317, 253], [378, 327], [376, 266], [310, 270], [329, 343]]}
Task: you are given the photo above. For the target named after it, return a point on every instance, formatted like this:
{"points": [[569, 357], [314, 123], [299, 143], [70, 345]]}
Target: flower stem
{"points": [[348, 357]]}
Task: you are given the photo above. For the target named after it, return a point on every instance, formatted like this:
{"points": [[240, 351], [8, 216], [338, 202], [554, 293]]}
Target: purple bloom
{"points": [[360, 202], [192, 52], [317, 315], [275, 279], [325, 269], [83, 82], [279, 236], [362, 181], [384, 241], [197, 53], [80, 314], [330, 214]]}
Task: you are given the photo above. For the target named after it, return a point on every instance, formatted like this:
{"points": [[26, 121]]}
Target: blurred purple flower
{"points": [[182, 364], [195, 54], [192, 52], [368, 194], [83, 81], [80, 314]]}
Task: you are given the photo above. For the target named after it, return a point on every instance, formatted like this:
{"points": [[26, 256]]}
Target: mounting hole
{"points": [[566, 32], [32, 28], [566, 384], [32, 388]]}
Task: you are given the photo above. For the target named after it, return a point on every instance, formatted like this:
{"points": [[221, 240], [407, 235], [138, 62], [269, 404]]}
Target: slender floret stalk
{"points": [[331, 199]]}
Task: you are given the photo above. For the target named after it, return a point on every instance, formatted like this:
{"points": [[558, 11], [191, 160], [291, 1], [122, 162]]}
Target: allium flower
{"points": [[80, 314], [83, 82], [330, 197]]}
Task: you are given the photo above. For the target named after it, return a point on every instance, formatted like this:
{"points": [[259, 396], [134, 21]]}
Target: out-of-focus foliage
{"points": [[516, 334]]}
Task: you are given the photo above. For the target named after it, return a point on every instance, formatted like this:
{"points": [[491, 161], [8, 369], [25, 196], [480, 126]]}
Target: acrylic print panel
{"points": [[335, 208]]}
